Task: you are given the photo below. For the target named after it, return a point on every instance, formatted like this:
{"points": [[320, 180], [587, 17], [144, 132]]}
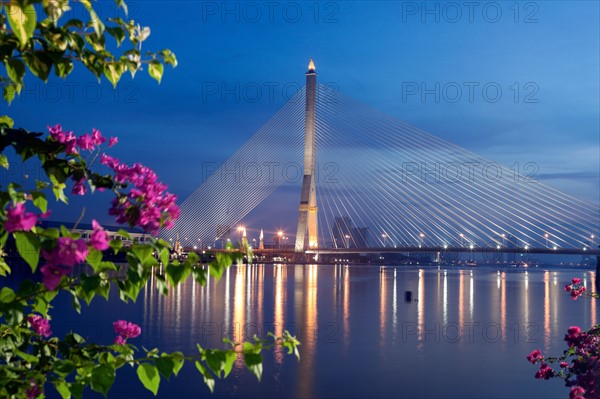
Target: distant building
{"points": [[359, 237], [341, 231]]}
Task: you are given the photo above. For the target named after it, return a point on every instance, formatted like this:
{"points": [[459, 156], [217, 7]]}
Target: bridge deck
{"points": [[558, 251]]}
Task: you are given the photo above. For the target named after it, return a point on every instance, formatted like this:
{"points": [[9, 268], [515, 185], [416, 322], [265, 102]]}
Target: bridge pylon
{"points": [[307, 217]]}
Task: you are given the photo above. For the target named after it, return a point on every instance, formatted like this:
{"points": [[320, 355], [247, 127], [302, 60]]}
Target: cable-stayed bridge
{"points": [[376, 182]]}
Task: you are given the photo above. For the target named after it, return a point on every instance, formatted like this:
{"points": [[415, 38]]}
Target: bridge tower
{"points": [[307, 218]]}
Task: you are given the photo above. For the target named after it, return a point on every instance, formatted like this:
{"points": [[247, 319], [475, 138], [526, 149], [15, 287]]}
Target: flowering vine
{"points": [[579, 365]]}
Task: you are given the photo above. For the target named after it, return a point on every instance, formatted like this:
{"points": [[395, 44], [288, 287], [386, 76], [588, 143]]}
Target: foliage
{"points": [[579, 364], [36, 37]]}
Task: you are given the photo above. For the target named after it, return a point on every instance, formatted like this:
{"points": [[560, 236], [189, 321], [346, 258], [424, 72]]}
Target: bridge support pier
{"points": [[307, 218]]}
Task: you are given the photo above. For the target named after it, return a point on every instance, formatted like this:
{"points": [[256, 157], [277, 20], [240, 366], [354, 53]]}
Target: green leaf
{"points": [[87, 289], [4, 268], [9, 92], [165, 365], [94, 259], [169, 58], [40, 64], [113, 72], [28, 246], [7, 295], [176, 274], [178, 361], [58, 189], [106, 265], [96, 22], [75, 301], [22, 21], [77, 389], [230, 357], [155, 69], [62, 388], [199, 275], [254, 363], [6, 121], [208, 378], [103, 289], [143, 252], [161, 284], [164, 256], [15, 70], [116, 245], [215, 360], [63, 67], [40, 201], [118, 33], [4, 161], [124, 233], [63, 367], [103, 377], [148, 375], [28, 357]]}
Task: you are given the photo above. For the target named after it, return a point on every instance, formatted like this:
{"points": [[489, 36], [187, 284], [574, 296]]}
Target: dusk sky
{"points": [[240, 62]]}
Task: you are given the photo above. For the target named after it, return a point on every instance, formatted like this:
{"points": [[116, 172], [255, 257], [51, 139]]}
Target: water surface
{"points": [[464, 333]]}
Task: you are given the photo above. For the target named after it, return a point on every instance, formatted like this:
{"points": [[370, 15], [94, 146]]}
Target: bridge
{"points": [[371, 183]]}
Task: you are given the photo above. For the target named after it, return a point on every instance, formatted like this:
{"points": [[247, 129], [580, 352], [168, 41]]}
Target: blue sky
{"points": [[543, 56]]}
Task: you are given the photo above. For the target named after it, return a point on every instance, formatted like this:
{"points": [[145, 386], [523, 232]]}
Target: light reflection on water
{"points": [[464, 333]]}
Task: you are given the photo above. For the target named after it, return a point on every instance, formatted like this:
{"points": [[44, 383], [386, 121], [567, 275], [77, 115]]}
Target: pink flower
{"points": [[40, 325], [574, 336], [109, 161], [19, 220], [535, 356], [125, 330], [147, 205], [99, 238], [119, 340], [85, 142], [576, 393], [79, 187], [68, 139], [34, 390], [97, 137], [52, 274], [68, 252], [575, 288], [564, 365], [545, 372], [112, 141]]}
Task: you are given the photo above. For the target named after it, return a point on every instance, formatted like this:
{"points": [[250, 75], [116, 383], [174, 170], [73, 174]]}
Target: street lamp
{"points": [[546, 237], [279, 236], [384, 236], [503, 237], [347, 241], [592, 240], [422, 239], [462, 236]]}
